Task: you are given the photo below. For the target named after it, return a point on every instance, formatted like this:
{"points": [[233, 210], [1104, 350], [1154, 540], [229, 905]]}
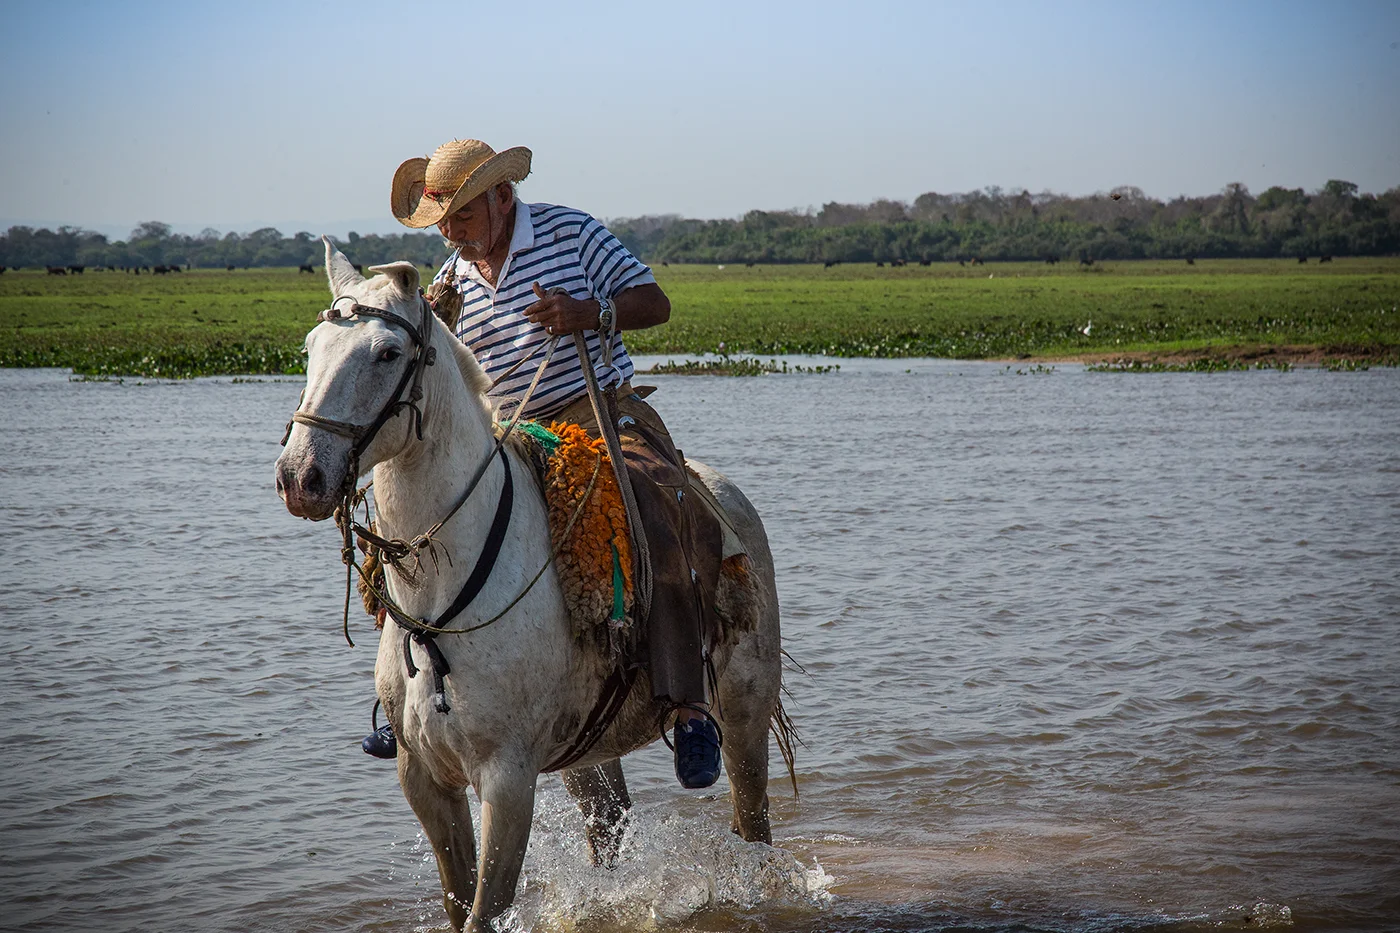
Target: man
{"points": [[528, 271]]}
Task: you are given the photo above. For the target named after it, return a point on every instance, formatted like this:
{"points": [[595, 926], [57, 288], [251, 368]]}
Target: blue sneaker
{"points": [[697, 753], [381, 743]]}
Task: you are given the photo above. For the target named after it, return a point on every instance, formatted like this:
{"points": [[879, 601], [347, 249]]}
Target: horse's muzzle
{"points": [[304, 489]]}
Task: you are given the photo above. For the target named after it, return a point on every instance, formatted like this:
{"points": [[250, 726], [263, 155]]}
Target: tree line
{"points": [[153, 244], [994, 224], [991, 224]]}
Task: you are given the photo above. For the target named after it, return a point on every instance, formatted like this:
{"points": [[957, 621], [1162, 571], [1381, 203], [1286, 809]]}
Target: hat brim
{"points": [[413, 208]]}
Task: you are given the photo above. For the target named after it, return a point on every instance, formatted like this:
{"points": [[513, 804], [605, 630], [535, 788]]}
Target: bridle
{"points": [[422, 631], [362, 435]]}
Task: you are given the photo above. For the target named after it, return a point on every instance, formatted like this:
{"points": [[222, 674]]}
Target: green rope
{"points": [[541, 435], [619, 611]]}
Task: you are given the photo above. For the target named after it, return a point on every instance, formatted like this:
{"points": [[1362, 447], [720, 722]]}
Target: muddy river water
{"points": [[1078, 652]]}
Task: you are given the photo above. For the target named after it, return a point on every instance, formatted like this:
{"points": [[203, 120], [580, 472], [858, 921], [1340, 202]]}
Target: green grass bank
{"points": [[206, 322]]}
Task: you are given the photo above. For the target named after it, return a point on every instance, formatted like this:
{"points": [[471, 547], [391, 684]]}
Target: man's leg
{"points": [[676, 625]]}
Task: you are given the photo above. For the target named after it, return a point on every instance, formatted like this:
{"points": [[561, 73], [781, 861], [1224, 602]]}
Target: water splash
{"points": [[672, 865]]}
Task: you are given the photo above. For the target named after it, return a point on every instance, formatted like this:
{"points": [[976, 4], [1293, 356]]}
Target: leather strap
{"points": [[425, 633], [615, 691], [605, 414]]}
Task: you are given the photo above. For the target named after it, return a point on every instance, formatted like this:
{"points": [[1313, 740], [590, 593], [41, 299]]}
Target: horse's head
{"points": [[361, 373]]}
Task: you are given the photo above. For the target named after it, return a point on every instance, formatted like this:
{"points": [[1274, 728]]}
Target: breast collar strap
{"points": [[424, 632]]}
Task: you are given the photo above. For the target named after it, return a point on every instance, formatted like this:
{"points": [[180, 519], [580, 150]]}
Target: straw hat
{"points": [[427, 190]]}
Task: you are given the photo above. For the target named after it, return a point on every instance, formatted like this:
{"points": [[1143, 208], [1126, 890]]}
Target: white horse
{"points": [[519, 689]]}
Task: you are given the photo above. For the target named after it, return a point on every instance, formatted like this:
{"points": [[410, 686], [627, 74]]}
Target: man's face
{"points": [[476, 228]]}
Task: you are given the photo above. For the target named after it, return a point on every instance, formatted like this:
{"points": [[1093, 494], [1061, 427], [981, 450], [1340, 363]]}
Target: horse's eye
{"points": [[389, 355]]}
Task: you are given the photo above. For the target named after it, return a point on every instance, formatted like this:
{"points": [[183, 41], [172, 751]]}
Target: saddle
{"points": [[688, 536], [695, 551]]}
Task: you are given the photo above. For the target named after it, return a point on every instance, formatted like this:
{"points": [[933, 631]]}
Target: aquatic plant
{"points": [[209, 322]]}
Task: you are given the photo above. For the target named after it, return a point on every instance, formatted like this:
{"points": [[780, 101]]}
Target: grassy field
{"points": [[214, 322]]}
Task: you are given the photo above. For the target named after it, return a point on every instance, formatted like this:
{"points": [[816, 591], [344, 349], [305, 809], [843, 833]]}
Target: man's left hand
{"points": [[562, 314]]}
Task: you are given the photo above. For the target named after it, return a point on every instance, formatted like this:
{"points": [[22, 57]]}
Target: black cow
{"points": [[1051, 259], [229, 269], [831, 262], [2, 270], [1190, 260], [1302, 259], [1086, 261], [76, 270], [925, 262], [1325, 257], [56, 270], [310, 269]]}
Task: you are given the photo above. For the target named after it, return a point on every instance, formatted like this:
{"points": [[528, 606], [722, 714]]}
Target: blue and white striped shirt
{"points": [[558, 247]]}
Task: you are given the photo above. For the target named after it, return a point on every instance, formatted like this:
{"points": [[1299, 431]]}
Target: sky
{"points": [[295, 114]]}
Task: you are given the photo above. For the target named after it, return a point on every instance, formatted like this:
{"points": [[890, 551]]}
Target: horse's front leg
{"points": [[507, 792], [447, 821]]}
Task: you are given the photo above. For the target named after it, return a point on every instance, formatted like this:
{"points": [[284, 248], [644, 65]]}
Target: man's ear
{"points": [[403, 274], [505, 196]]}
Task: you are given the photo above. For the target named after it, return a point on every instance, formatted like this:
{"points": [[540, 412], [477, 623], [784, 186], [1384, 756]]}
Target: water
{"points": [[1081, 652]]}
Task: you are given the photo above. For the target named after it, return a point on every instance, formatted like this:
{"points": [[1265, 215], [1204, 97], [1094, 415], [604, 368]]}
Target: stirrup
{"points": [[661, 721]]}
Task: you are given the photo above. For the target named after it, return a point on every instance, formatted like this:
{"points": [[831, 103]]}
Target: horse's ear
{"points": [[339, 271], [403, 274]]}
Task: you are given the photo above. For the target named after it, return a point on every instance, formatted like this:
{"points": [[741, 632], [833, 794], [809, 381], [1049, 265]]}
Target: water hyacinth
{"points": [[209, 322]]}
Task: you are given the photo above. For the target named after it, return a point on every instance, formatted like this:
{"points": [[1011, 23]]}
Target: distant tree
{"points": [[1341, 190], [1231, 212], [150, 230]]}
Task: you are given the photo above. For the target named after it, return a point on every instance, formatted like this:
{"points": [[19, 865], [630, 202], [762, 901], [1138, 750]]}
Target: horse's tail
{"points": [[785, 731]]}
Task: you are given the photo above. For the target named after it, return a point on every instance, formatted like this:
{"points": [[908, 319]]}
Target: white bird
{"points": [[1086, 328]]}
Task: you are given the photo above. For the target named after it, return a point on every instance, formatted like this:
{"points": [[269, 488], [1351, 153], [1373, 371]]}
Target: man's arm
{"points": [[634, 308]]}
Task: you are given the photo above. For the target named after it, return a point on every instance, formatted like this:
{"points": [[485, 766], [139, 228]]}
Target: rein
{"points": [[395, 550]]}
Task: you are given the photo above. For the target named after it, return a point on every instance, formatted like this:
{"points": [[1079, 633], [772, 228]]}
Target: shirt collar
{"points": [[524, 236]]}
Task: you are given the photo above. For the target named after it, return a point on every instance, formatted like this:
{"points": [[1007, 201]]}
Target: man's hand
{"points": [[561, 314]]}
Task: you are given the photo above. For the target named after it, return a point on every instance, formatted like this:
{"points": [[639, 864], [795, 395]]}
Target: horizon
{"points": [[277, 114], [340, 230]]}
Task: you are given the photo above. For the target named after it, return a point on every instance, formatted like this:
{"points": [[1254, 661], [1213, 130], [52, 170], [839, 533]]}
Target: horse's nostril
{"points": [[314, 482]]}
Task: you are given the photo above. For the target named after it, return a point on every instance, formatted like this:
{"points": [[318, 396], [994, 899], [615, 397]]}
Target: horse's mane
{"points": [[472, 373]]}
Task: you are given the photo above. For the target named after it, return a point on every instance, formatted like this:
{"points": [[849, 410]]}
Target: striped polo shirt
{"points": [[558, 247]]}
